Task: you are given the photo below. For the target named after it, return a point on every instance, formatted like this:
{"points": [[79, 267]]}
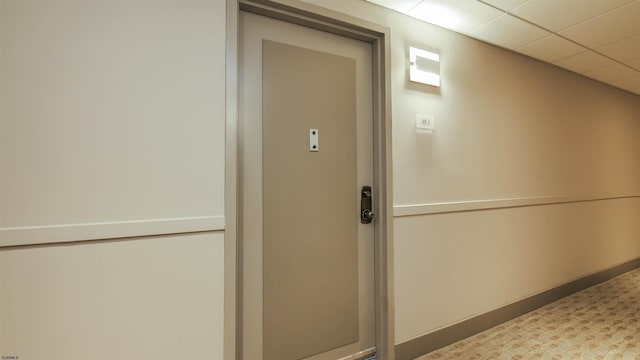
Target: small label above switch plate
{"points": [[427, 122], [313, 140]]}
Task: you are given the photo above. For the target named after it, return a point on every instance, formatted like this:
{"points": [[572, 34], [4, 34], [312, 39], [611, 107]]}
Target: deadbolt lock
{"points": [[366, 200]]}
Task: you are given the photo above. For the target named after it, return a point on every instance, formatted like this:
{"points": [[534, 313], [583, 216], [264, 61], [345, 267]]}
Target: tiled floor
{"points": [[601, 322]]}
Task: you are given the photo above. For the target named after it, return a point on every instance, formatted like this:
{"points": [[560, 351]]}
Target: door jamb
{"points": [[298, 12]]}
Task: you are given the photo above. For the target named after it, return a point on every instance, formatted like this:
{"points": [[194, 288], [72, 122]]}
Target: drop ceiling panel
{"points": [[611, 72], [505, 4], [551, 48], [556, 15], [397, 5], [457, 15], [583, 62], [623, 50], [607, 28], [509, 32]]}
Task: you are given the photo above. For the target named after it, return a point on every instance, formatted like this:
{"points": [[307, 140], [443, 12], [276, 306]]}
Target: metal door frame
{"points": [[298, 12]]}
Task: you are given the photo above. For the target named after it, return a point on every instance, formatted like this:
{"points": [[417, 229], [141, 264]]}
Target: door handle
{"points": [[366, 213]]}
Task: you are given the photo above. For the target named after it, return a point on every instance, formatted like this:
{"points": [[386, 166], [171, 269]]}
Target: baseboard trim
{"points": [[414, 348]]}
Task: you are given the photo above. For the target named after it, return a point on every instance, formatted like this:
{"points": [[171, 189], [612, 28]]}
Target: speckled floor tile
{"points": [[599, 323]]}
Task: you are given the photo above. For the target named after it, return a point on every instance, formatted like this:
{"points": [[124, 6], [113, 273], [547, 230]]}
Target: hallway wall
{"points": [[112, 126], [509, 131]]}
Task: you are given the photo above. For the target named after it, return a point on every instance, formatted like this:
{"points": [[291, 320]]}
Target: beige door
{"points": [[306, 143]]}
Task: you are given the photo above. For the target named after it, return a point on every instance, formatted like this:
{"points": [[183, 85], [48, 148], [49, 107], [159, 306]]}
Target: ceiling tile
{"points": [[583, 62], [551, 48], [611, 73], [505, 5], [457, 15], [508, 32], [556, 15], [398, 5], [635, 63], [612, 26], [623, 50]]}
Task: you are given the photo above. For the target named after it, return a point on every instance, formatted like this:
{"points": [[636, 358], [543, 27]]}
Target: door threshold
{"points": [[368, 354]]}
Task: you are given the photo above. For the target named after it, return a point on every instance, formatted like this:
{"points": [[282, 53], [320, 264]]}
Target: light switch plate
{"points": [[427, 122]]}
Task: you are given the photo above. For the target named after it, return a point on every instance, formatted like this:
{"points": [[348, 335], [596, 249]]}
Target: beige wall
{"points": [[153, 298], [507, 127], [112, 125], [450, 267]]}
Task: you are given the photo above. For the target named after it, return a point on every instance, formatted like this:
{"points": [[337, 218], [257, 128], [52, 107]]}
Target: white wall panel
{"points": [[154, 298], [112, 125], [450, 267], [110, 111]]}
